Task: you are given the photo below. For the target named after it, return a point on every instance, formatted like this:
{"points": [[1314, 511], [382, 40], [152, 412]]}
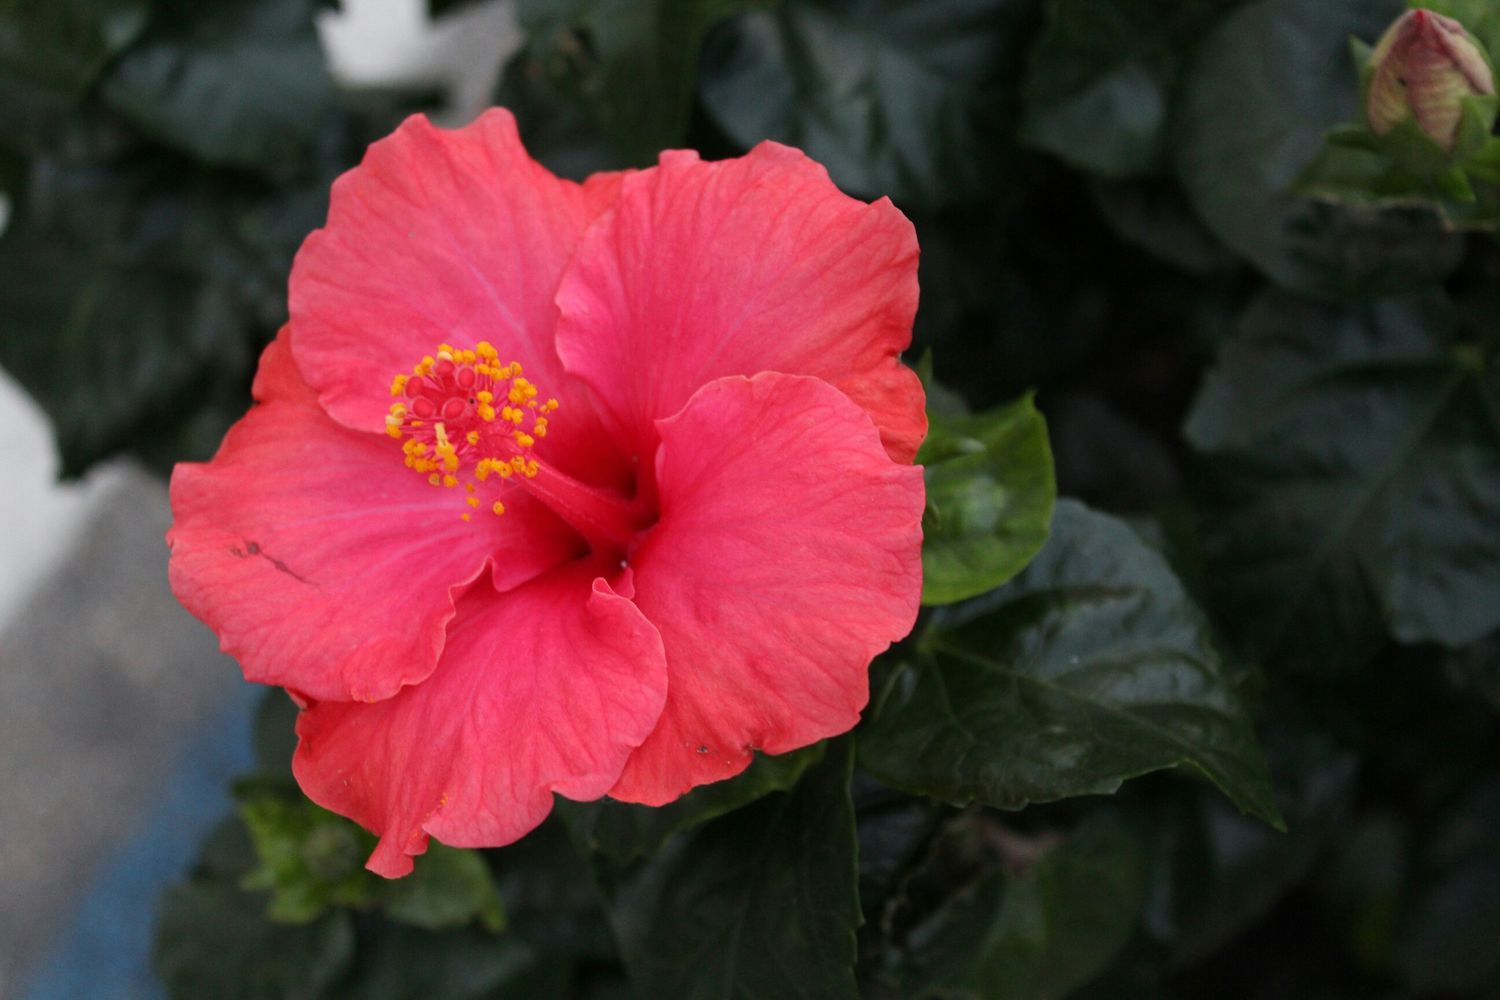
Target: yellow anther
{"points": [[486, 350], [398, 385], [504, 470], [468, 487], [450, 481], [518, 463], [551, 404], [485, 396], [531, 469], [472, 501], [517, 395], [540, 430], [524, 440], [516, 416], [515, 368], [472, 437], [486, 412], [498, 508], [435, 479], [505, 413], [465, 516]]}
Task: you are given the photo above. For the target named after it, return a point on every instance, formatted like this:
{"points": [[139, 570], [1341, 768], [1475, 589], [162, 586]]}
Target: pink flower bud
{"points": [[1424, 66]]}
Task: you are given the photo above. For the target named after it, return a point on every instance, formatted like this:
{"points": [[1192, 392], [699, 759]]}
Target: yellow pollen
{"points": [[459, 416]]}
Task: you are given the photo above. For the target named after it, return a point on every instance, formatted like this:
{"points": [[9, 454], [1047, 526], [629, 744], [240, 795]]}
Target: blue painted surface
{"points": [[104, 953]]}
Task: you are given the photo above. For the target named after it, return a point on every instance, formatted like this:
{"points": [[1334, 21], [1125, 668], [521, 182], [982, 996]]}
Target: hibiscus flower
{"points": [[588, 489]]}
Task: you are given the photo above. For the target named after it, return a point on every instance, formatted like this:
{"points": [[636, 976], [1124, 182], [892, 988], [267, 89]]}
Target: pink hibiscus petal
{"points": [[323, 563], [546, 688], [443, 236], [788, 554], [736, 267]]}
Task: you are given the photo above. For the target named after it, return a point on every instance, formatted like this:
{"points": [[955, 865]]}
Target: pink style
{"points": [[590, 489]]}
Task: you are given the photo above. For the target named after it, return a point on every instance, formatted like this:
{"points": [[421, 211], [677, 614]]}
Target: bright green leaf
{"points": [[1266, 84], [1354, 478], [238, 82], [899, 99], [1091, 667], [760, 903], [990, 492]]}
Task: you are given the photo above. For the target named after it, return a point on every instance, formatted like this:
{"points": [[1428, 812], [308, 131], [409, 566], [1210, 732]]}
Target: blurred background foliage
{"points": [[1275, 580]]}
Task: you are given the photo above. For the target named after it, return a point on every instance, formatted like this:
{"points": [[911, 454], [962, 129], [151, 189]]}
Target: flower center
{"points": [[467, 421], [464, 417]]}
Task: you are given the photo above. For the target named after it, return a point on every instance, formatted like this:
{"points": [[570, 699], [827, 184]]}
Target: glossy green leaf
{"points": [[625, 831], [902, 99], [238, 82], [63, 45], [990, 492], [213, 940], [633, 64], [1101, 79], [760, 903], [1040, 921], [1091, 667], [1354, 478], [1265, 85]]}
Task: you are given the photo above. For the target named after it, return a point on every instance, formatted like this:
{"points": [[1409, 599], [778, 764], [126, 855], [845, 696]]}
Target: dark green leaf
{"points": [[214, 941], [1091, 667], [1100, 82], [122, 315], [1039, 922], [401, 963], [632, 63], [761, 903], [1216, 873], [1355, 478], [625, 831], [63, 45], [1264, 87], [236, 82], [990, 493], [1157, 218], [449, 888], [905, 99], [1446, 941]]}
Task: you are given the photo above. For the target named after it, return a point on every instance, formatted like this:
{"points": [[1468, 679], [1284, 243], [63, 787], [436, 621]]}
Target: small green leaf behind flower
{"points": [[312, 860], [990, 493]]}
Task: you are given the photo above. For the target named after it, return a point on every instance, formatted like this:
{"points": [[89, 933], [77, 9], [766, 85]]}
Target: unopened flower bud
{"points": [[1427, 69]]}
